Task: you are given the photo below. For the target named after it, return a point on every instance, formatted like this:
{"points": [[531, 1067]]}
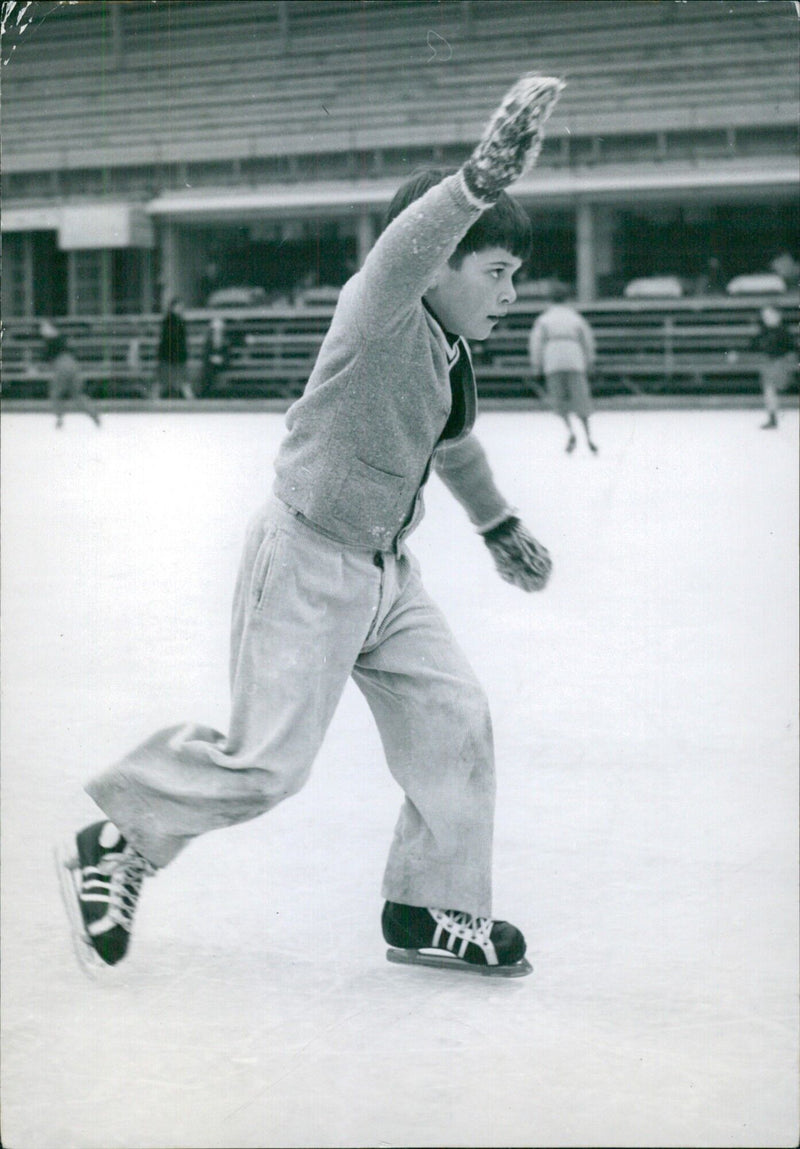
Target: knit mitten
{"points": [[512, 139], [517, 555]]}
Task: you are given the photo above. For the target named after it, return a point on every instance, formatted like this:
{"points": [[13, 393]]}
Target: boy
{"points": [[562, 348], [327, 587]]}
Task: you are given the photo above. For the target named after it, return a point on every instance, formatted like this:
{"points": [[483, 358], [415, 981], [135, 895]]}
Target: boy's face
{"points": [[471, 299]]}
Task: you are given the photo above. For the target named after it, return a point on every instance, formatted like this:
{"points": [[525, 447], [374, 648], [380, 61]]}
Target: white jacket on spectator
{"points": [[561, 340]]}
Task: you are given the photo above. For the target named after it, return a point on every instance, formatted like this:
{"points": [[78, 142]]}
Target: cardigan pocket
{"points": [[370, 497]]}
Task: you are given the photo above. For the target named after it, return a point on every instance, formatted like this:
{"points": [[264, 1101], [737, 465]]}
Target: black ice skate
{"points": [[449, 939], [101, 877]]}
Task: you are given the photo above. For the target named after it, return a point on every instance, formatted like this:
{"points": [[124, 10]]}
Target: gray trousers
{"points": [[307, 614]]}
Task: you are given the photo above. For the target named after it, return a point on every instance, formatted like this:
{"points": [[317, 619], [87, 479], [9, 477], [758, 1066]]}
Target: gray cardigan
{"points": [[363, 436]]}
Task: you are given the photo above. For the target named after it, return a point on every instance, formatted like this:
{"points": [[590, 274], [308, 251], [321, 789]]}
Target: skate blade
{"points": [[437, 959], [67, 869]]}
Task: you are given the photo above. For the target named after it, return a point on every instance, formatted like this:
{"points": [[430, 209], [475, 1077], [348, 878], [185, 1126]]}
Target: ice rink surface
{"points": [[645, 710]]}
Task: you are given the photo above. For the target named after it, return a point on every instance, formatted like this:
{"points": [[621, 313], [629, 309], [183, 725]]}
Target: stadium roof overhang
{"points": [[220, 205], [718, 180]]}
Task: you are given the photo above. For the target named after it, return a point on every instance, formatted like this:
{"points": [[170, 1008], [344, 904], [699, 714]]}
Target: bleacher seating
{"points": [[693, 347], [188, 82]]}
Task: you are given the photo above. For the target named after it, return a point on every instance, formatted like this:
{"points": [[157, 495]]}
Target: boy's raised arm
{"points": [[399, 267]]}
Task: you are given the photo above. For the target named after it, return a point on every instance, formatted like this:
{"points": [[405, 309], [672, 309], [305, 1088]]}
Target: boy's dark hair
{"points": [[505, 224]]}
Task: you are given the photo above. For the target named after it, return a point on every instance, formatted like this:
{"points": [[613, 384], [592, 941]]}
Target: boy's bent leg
{"points": [[301, 612], [164, 792], [435, 726]]}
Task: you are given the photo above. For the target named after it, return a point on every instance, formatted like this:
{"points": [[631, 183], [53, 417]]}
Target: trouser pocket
{"points": [[265, 568]]}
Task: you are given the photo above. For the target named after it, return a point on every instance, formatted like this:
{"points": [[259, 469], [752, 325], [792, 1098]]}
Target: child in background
{"points": [[327, 586], [66, 382]]}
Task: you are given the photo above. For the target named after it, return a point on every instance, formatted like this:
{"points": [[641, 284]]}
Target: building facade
{"points": [[185, 146]]}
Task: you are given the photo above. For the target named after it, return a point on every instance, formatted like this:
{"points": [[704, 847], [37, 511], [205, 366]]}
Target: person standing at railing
{"points": [[172, 369], [66, 382], [561, 347], [216, 352], [774, 342]]}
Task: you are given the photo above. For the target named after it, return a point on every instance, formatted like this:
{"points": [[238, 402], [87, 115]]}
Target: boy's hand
{"points": [[517, 555], [513, 137]]}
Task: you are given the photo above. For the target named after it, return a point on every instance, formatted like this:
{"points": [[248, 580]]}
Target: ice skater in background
{"points": [[562, 349], [67, 385], [774, 342], [328, 589]]}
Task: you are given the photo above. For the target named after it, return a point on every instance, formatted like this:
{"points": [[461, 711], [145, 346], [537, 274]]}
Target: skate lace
{"points": [[122, 874], [467, 929], [126, 882]]}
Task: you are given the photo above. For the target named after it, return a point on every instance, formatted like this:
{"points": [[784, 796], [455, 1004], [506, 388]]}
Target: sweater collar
{"points": [[454, 342]]}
